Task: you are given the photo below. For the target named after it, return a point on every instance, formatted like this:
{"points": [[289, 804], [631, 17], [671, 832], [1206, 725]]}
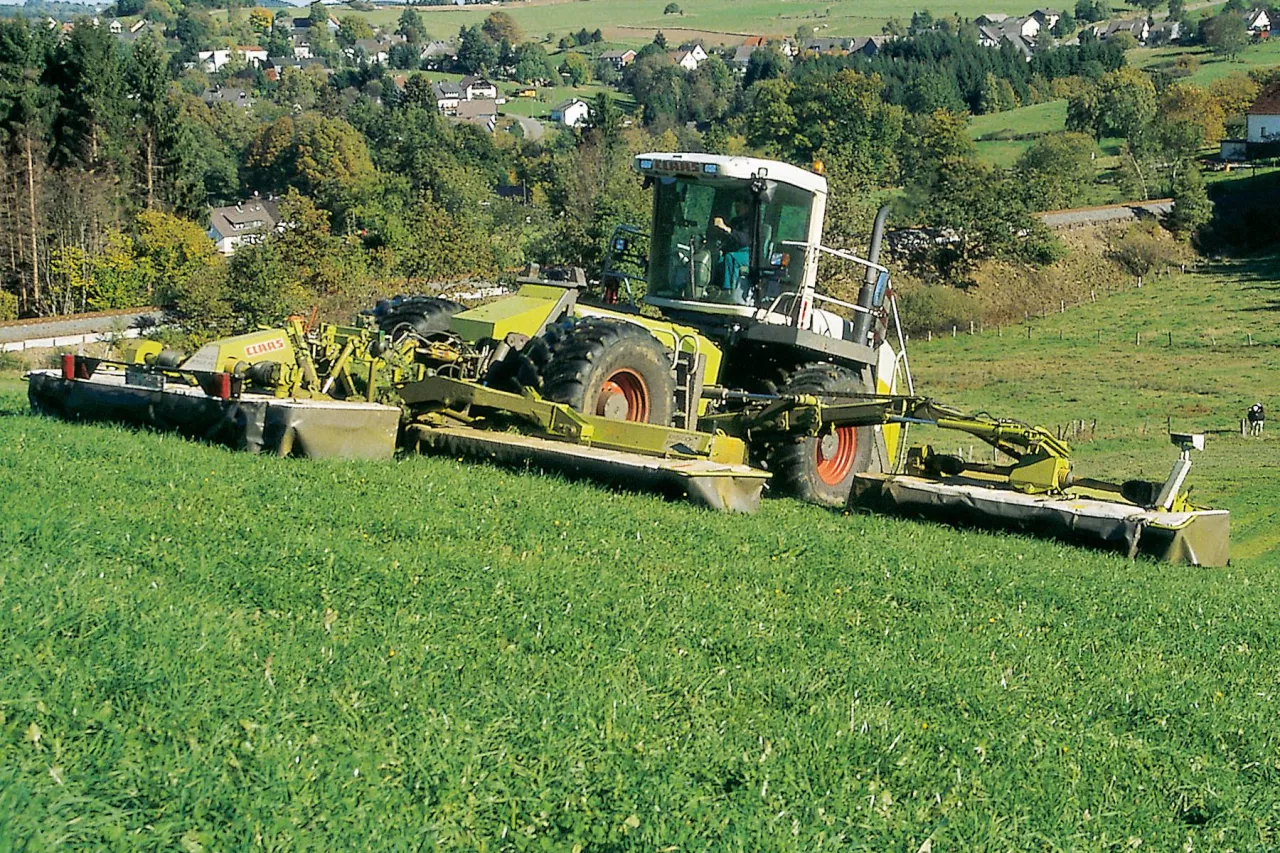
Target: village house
{"points": [[1262, 120], [571, 113], [477, 89], [248, 222], [481, 113], [213, 61], [826, 45], [438, 52], [374, 52], [448, 95], [1258, 23], [619, 59], [227, 95], [867, 45], [1048, 18], [1165, 32], [302, 26], [740, 57], [133, 31], [1139, 28], [689, 58], [1010, 33]]}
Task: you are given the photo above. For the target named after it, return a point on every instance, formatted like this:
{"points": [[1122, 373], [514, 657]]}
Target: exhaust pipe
{"points": [[866, 296]]}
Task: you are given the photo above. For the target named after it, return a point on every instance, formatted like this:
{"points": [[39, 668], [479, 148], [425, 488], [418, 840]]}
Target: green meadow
{"points": [[205, 650]]}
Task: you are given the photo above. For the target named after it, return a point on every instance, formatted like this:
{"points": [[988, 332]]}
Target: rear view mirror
{"points": [[882, 288]]}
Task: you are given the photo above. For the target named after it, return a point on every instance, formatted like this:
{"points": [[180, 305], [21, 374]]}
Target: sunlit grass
{"points": [[208, 650]]}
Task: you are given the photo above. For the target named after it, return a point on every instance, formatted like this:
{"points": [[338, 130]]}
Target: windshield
{"points": [[717, 241]]}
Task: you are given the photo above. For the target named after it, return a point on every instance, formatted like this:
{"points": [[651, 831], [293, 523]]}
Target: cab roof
{"points": [[683, 163]]}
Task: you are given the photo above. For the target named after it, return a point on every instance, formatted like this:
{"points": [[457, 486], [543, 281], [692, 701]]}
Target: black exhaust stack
{"points": [[866, 296]]}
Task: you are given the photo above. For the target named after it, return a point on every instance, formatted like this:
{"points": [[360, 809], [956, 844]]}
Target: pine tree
{"points": [[1191, 205]]}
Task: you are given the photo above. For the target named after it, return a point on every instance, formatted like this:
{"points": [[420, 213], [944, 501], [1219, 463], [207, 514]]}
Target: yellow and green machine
{"points": [[704, 363]]}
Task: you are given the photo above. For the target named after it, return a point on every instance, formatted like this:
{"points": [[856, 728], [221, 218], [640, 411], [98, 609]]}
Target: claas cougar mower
{"points": [[729, 373]]}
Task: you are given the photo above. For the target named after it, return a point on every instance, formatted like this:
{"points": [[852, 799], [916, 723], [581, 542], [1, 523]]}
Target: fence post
{"points": [[1170, 338], [1137, 339], [953, 331], [1028, 333], [1062, 306], [970, 327], [1250, 338]]}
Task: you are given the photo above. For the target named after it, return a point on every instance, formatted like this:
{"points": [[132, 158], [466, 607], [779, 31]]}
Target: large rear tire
{"points": [[424, 316], [613, 369], [820, 469]]}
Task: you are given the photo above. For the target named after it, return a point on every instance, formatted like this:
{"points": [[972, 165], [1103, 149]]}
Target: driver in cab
{"points": [[735, 246]]}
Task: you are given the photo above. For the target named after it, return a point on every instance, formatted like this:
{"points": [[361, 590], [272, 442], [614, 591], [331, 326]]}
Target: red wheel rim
{"points": [[624, 396], [835, 452]]}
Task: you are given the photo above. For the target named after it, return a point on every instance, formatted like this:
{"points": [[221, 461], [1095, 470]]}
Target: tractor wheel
{"points": [[424, 316], [613, 369], [820, 469], [525, 368]]}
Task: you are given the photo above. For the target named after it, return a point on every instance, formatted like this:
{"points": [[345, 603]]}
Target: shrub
{"points": [[8, 305], [1144, 247], [927, 307], [12, 361]]}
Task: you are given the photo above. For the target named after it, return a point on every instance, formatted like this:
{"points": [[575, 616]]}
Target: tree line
{"points": [[112, 159]]}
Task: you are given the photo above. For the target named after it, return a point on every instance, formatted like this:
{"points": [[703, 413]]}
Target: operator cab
{"points": [[735, 236]]}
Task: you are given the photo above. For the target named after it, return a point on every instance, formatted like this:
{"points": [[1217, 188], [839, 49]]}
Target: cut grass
{"points": [[205, 649]]}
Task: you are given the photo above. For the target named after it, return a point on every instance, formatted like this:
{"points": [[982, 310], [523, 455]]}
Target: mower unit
{"points": [[737, 373]]}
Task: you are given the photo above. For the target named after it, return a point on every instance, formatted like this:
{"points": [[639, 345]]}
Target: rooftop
{"points": [[1267, 103]]}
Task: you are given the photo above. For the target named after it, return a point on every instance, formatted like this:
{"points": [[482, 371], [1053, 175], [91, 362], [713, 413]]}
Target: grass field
{"points": [[635, 21], [1263, 54], [211, 651], [1003, 137]]}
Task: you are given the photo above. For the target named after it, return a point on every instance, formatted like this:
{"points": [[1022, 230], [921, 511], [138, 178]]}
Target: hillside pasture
{"points": [[1001, 138], [635, 21], [1260, 54], [210, 650]]}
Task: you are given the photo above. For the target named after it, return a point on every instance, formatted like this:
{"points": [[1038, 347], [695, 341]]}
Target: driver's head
{"points": [[741, 207]]}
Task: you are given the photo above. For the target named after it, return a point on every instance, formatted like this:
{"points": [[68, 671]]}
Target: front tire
{"points": [[612, 369], [427, 317], [820, 469]]}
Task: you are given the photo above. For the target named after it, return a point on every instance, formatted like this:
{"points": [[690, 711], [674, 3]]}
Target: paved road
{"points": [[83, 324], [533, 129], [1109, 213]]}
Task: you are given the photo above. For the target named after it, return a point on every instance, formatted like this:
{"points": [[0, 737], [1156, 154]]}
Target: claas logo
{"points": [[265, 347]]}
